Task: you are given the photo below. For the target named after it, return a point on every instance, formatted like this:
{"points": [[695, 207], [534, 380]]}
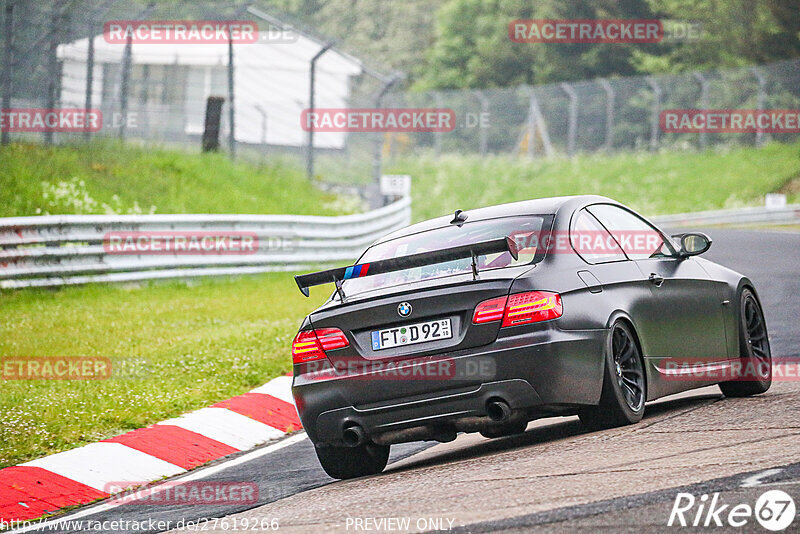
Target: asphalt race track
{"points": [[556, 476]]}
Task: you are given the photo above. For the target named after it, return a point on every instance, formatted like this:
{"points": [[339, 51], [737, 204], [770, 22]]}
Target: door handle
{"points": [[656, 279]]}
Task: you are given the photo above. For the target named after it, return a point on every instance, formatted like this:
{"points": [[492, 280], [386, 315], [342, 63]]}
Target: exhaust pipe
{"points": [[417, 433], [498, 410], [354, 436]]}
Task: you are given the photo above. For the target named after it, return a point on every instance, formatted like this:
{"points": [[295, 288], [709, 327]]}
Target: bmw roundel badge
{"points": [[404, 309]]}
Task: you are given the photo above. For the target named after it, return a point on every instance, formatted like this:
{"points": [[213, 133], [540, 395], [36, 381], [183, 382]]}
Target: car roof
{"points": [[539, 206]]}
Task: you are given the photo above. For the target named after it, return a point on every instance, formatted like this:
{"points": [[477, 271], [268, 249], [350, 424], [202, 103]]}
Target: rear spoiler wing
{"points": [[336, 276]]}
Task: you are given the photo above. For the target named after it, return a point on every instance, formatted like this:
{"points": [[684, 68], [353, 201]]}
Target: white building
{"points": [[169, 85]]}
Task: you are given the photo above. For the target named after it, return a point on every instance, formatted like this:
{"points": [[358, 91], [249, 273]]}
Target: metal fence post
{"points": [[573, 117], [52, 64], [263, 113], [127, 63], [760, 101], [610, 97], [125, 85], [537, 125], [655, 113], [311, 107], [8, 59], [263, 123], [231, 108], [87, 134], [437, 135], [483, 142], [376, 199], [210, 140], [531, 126], [703, 104]]}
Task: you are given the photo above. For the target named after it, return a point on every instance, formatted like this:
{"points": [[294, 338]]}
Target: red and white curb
{"points": [[168, 448]]}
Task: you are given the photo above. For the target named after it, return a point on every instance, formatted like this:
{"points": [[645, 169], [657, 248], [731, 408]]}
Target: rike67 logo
{"points": [[774, 510]]}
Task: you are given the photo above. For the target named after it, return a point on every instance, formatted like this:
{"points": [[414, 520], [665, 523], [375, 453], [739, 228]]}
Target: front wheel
{"points": [[756, 358], [353, 462], [624, 384]]}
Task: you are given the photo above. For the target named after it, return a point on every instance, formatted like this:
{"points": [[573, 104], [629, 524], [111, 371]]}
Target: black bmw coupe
{"points": [[484, 320]]}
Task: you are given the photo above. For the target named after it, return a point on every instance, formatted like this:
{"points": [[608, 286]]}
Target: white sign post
{"points": [[395, 185], [774, 201]]}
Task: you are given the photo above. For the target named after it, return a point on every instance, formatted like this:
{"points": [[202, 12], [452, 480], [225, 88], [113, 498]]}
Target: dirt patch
{"points": [[791, 187]]}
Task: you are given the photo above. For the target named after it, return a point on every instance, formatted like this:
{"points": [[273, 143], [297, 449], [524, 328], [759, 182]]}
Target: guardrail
{"points": [[57, 250], [60, 250], [789, 214]]}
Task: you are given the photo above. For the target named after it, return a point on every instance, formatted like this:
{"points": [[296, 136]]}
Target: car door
{"points": [[684, 319]]}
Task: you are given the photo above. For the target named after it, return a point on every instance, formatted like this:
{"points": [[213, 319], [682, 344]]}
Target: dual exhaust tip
{"points": [[498, 411], [354, 436]]}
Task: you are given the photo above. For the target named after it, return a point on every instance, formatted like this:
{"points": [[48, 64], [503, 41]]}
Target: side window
{"points": [[591, 241], [637, 237]]}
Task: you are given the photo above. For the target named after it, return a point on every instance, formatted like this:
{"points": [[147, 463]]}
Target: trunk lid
{"points": [[453, 298]]}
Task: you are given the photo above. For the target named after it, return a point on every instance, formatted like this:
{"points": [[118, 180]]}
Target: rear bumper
{"points": [[461, 410], [545, 371]]}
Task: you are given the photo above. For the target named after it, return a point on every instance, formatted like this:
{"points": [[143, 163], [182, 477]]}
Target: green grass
{"points": [[174, 347], [128, 179], [666, 182], [36, 180]]}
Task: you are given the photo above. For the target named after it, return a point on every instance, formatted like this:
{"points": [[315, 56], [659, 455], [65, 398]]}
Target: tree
{"points": [[734, 33], [392, 35], [472, 47]]}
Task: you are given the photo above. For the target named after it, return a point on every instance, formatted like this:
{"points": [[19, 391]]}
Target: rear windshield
{"points": [[524, 230]]}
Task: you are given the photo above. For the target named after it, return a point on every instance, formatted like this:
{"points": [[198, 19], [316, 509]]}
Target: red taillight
{"points": [[521, 308], [331, 338], [532, 307], [306, 347], [489, 310], [310, 345]]}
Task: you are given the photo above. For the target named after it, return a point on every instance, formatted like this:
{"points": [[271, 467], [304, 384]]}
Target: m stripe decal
{"points": [[356, 271]]}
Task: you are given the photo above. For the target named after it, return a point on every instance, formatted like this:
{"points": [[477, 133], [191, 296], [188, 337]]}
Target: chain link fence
{"points": [[147, 88], [600, 115], [56, 55]]}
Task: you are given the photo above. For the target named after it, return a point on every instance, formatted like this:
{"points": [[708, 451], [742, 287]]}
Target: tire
{"points": [[353, 462], [624, 383], [754, 351], [508, 429]]}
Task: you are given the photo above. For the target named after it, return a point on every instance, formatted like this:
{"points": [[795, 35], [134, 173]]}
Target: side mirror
{"points": [[693, 243]]}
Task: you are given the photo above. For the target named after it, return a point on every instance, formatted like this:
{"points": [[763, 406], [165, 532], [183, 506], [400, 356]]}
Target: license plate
{"points": [[411, 334]]}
